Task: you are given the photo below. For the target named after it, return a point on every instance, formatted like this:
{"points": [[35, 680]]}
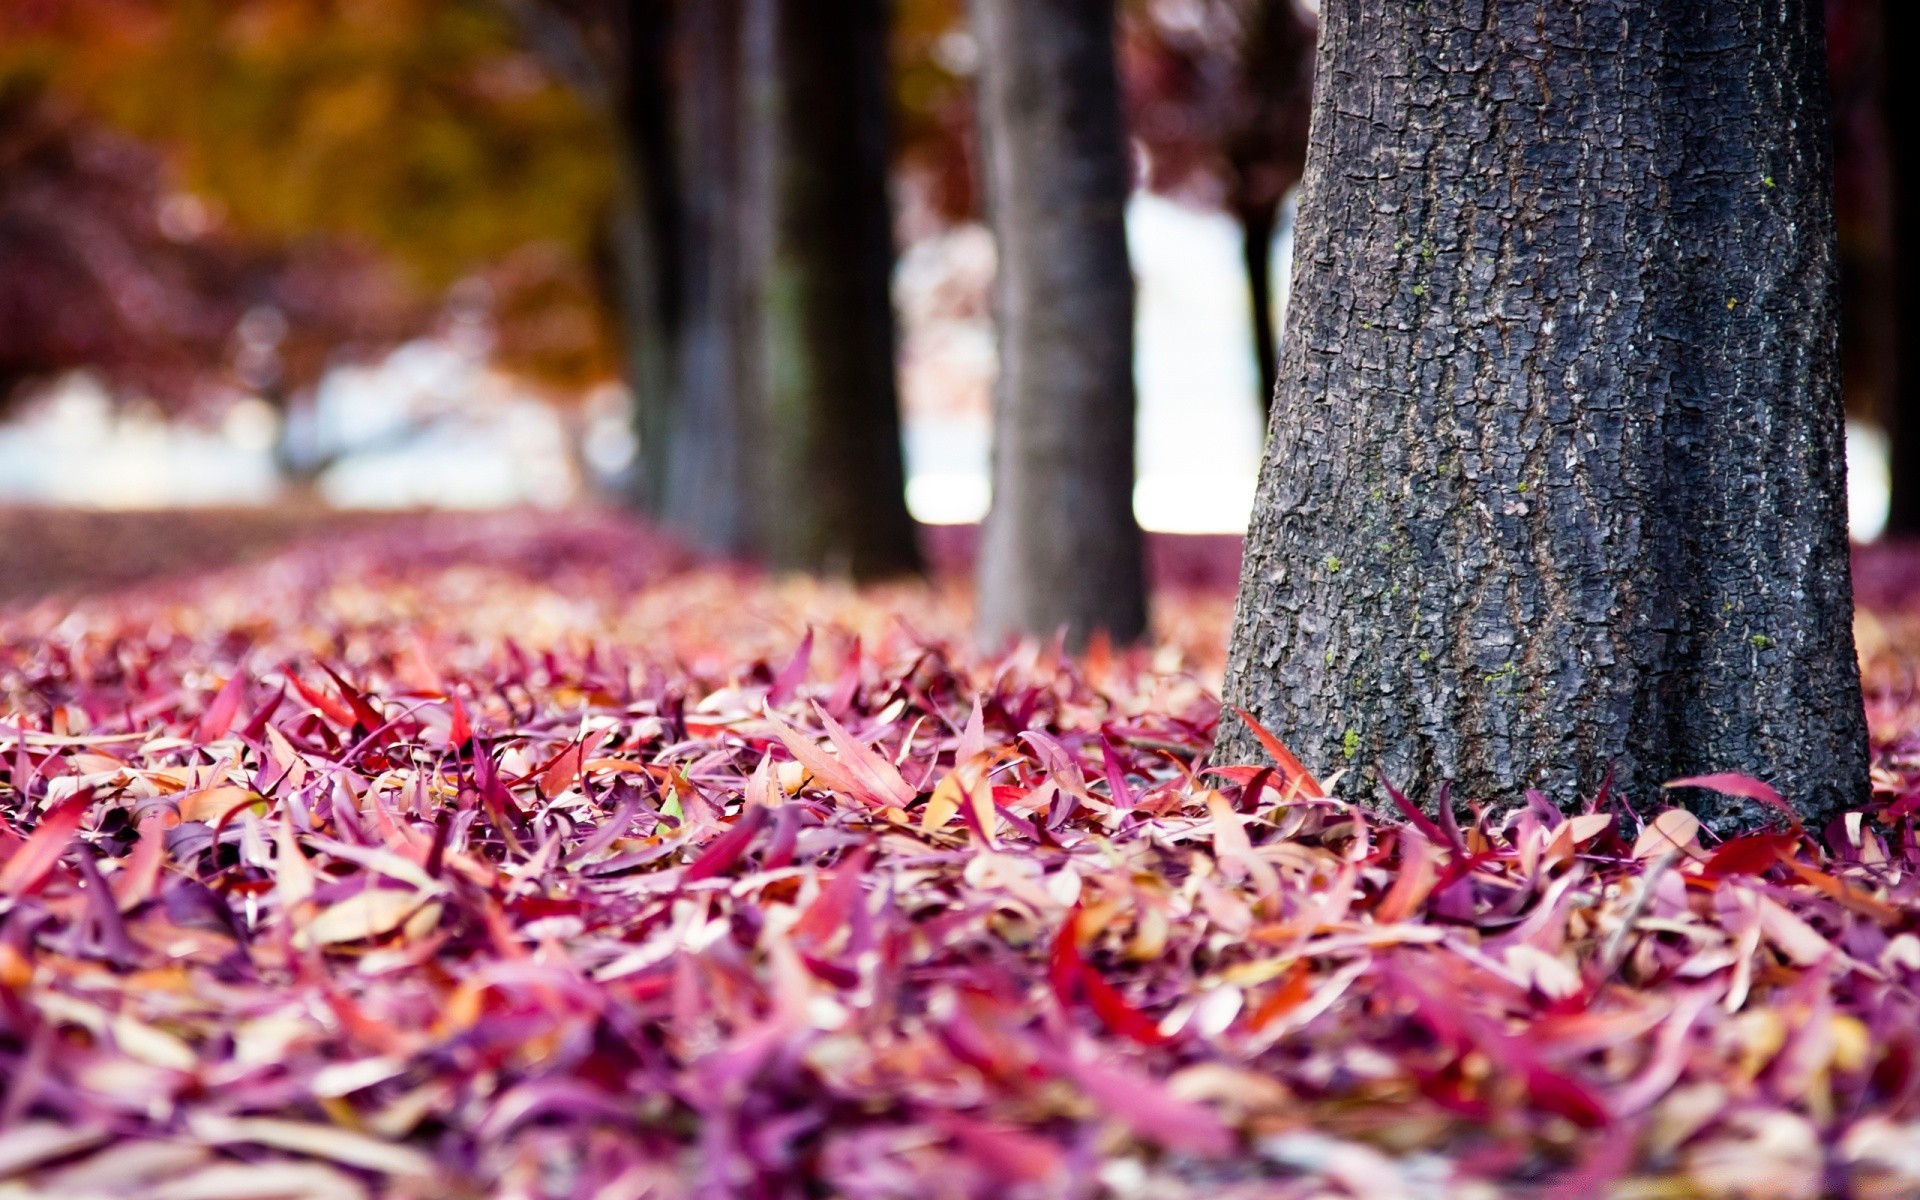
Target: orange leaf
{"points": [[1293, 991]]}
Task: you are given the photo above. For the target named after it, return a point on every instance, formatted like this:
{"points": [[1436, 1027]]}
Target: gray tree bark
{"points": [[646, 241], [1060, 549], [1555, 482], [831, 457], [706, 453]]}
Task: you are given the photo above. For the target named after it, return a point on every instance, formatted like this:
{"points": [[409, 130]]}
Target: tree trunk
{"points": [[832, 458], [1259, 221], [707, 453], [1902, 41], [646, 236], [1266, 153], [1061, 548], [1555, 482]]}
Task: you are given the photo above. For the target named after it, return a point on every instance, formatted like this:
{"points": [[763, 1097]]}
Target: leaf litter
{"points": [[378, 870]]}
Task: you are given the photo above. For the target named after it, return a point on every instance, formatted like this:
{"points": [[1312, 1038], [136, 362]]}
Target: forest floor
{"points": [[521, 855]]}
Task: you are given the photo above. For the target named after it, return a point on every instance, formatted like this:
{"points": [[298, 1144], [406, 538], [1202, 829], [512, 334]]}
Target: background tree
{"points": [[1219, 94], [1060, 548], [1555, 482], [330, 166], [106, 267], [751, 250], [1901, 40], [836, 479], [719, 169]]}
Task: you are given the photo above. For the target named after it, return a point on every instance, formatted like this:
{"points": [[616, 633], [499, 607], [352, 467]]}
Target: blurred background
{"points": [[267, 265]]}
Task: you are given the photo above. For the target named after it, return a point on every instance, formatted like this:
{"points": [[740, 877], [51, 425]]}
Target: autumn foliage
{"points": [[526, 854]]}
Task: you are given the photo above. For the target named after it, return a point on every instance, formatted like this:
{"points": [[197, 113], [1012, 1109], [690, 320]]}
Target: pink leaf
{"points": [[791, 676], [218, 718], [1150, 1110], [1732, 783]]}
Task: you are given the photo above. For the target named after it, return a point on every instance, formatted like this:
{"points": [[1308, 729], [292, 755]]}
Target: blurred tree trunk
{"points": [[648, 253], [1902, 41], [1863, 210], [1259, 222], [1060, 548], [1266, 153], [1555, 482], [751, 249], [832, 457], [707, 457]]}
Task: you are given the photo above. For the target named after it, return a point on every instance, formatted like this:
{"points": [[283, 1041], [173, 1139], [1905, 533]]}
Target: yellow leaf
{"points": [[208, 805], [1588, 826], [1674, 829], [319, 1141], [139, 1040], [363, 915], [941, 806]]}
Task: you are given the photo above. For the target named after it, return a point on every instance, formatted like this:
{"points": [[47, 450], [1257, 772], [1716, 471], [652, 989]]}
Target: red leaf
{"points": [[329, 708], [1420, 820], [729, 846], [1749, 855], [1295, 986], [364, 711], [494, 796], [1297, 776], [1008, 1152], [560, 771], [28, 865], [1064, 965], [1114, 1011], [459, 732], [257, 724], [828, 912], [1123, 796], [1565, 1096], [1151, 1110]]}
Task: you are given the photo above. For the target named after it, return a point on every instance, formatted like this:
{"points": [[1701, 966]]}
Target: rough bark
{"points": [[1060, 549], [831, 459], [1902, 42], [1554, 483]]}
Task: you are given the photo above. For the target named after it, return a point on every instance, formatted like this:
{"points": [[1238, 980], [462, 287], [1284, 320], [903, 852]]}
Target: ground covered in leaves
{"points": [[524, 858]]}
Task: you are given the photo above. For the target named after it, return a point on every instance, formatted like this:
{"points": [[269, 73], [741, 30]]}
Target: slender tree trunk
{"points": [[1555, 481], [1267, 151], [1259, 220], [832, 460], [646, 236], [1902, 26], [1061, 548], [708, 452]]}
